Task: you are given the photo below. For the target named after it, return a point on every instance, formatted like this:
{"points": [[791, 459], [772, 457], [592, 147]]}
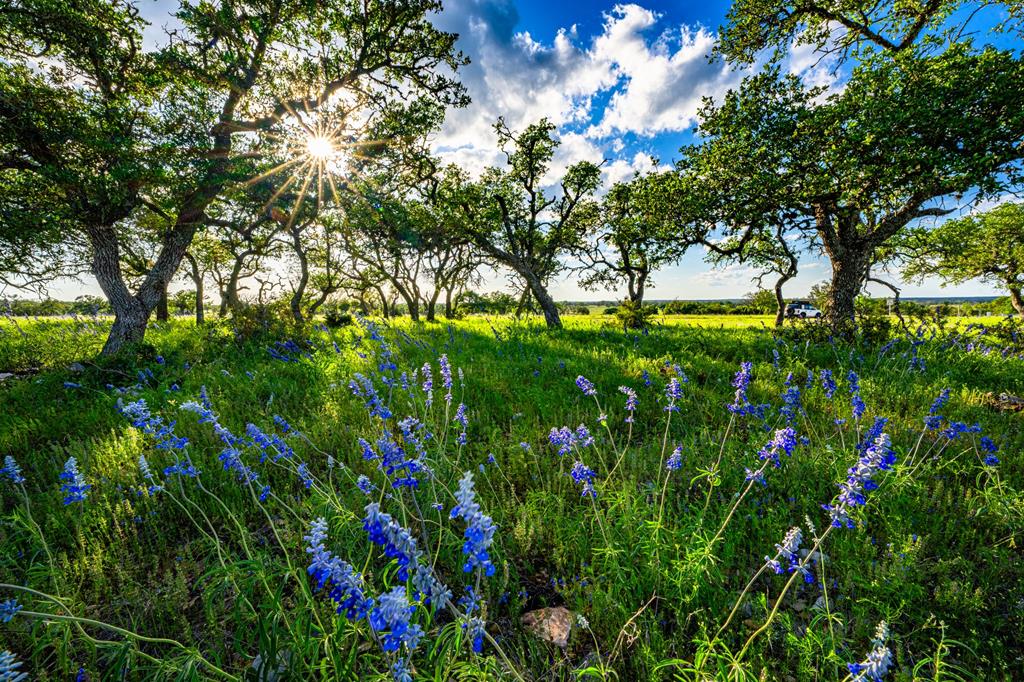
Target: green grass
{"points": [[936, 554]]}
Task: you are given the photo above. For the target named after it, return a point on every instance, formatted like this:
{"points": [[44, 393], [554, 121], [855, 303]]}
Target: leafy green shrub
{"points": [[337, 315], [635, 315]]}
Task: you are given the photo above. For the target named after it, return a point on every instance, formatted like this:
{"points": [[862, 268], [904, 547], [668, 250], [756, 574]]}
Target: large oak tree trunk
{"points": [[130, 314], [449, 310], [1017, 300], [197, 279], [849, 269], [163, 312], [432, 305], [544, 300], [780, 302]]}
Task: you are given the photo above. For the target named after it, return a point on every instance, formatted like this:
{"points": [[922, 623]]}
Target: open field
{"points": [[651, 565]]}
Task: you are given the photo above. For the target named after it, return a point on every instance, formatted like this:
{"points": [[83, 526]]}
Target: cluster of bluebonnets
{"points": [[416, 422]]}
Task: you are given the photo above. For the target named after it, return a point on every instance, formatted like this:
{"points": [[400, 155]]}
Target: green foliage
{"points": [[988, 246], [762, 300], [850, 170], [337, 315], [634, 314], [889, 26], [510, 216], [639, 234]]}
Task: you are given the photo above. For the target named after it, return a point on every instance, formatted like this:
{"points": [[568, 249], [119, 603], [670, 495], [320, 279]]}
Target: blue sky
{"points": [[622, 81]]}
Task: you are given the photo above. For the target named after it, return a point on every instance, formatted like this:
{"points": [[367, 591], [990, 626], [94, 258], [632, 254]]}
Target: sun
{"points": [[319, 147]]}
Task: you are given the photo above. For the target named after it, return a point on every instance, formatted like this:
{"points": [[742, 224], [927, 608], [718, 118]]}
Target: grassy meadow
{"points": [[660, 528]]}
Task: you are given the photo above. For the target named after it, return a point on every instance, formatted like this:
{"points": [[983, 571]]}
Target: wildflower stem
{"points": [[106, 626], [782, 595], [739, 599], [721, 451]]}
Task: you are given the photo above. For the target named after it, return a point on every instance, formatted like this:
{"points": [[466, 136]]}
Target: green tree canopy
{"points": [[639, 233], [511, 216], [988, 246], [95, 126], [850, 170]]}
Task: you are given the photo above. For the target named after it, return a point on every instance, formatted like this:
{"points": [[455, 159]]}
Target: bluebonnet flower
{"points": [[675, 460], [525, 446], [828, 383], [791, 405], [364, 484], [395, 461], [147, 474], [428, 384], [397, 542], [446, 377], [362, 387], [646, 376], [11, 470], [462, 420], [202, 408], [81, 676], [565, 439], [584, 476], [475, 628], [400, 670], [989, 446], [74, 487], [674, 392], [858, 406], [860, 480], [956, 429], [204, 399], [783, 442], [258, 437], [775, 358], [854, 381], [8, 609], [631, 402], [479, 528], [328, 570], [71, 384], [141, 418], [585, 385], [934, 419], [9, 665], [159, 359], [282, 424], [231, 458], [916, 363], [390, 619], [264, 493], [872, 433], [470, 602], [433, 592], [680, 373], [304, 475], [367, 449], [741, 382], [879, 660], [182, 468], [787, 550]]}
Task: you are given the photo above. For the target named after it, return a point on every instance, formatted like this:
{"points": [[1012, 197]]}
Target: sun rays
{"points": [[318, 154]]}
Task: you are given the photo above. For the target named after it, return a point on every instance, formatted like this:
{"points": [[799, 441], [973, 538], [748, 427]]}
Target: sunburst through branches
{"points": [[319, 155]]}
